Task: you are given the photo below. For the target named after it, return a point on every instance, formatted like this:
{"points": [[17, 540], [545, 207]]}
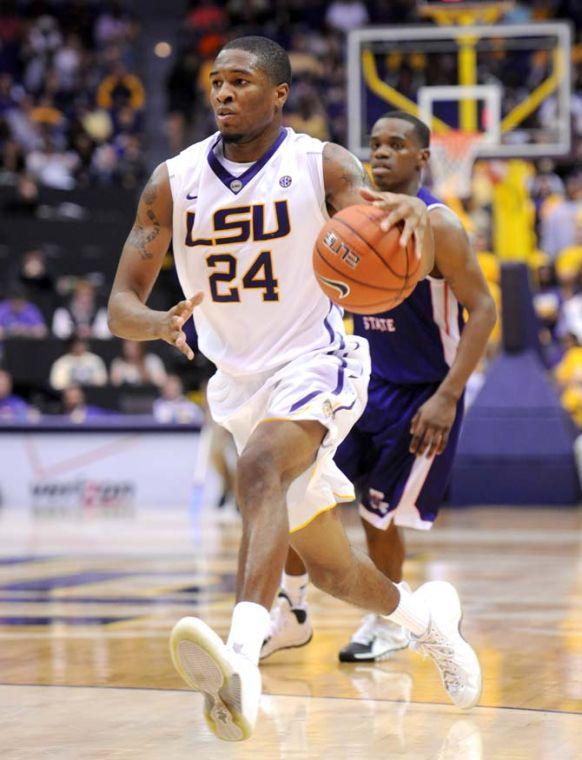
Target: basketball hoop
{"points": [[452, 155]]}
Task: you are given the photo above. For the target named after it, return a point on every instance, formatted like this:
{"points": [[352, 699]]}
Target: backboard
{"points": [[509, 82]]}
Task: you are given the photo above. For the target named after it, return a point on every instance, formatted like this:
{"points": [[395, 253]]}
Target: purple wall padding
{"points": [[516, 443]]}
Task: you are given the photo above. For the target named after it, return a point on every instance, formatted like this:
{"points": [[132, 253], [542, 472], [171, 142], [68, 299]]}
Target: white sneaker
{"points": [[290, 627], [457, 662], [230, 682], [376, 639]]}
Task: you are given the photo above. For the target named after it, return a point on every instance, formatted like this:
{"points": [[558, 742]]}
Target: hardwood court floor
{"points": [[86, 607]]}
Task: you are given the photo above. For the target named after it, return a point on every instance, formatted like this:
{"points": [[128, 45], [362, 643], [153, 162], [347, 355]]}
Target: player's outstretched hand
{"points": [[431, 425], [400, 208], [173, 321]]}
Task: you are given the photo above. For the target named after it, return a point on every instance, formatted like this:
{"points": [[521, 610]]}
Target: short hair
{"points": [[421, 130], [272, 58]]}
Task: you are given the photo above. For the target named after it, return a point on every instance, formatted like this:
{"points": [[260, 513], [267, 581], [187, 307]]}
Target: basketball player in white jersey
{"points": [[243, 209]]}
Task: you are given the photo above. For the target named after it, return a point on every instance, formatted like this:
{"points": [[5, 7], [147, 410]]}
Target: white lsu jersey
{"points": [[243, 234]]}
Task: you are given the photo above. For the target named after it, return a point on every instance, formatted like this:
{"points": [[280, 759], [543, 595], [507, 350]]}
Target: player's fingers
{"points": [[395, 216], [416, 441], [182, 345], [435, 443], [443, 442], [179, 308], [183, 310], [417, 246], [370, 195], [196, 299], [412, 226], [424, 443], [414, 423]]}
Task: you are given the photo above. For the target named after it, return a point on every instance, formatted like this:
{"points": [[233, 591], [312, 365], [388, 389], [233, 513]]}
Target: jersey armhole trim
{"points": [[174, 178]]}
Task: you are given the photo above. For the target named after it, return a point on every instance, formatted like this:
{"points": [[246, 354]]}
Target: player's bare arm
{"points": [[138, 269], [458, 265], [347, 184]]}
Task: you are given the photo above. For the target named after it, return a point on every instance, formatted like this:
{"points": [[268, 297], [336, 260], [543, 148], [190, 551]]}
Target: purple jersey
{"points": [[417, 341]]}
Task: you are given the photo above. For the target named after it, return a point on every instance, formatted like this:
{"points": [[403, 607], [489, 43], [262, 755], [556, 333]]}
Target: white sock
{"points": [[295, 586], [410, 613], [248, 629]]}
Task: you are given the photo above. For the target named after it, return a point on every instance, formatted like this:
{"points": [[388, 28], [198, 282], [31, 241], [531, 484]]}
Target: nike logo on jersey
{"points": [[341, 287], [191, 197]]}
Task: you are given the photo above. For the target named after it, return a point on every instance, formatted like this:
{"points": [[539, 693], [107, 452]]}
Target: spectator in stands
{"points": [[343, 15], [570, 320], [53, 55], [24, 202], [114, 26], [37, 282], [33, 273], [568, 374], [558, 227], [43, 40], [548, 300], [74, 405], [83, 316], [308, 116], [183, 94], [206, 16], [78, 365], [545, 183], [120, 88], [173, 406], [19, 317], [130, 167], [53, 167], [12, 407], [571, 256], [136, 367]]}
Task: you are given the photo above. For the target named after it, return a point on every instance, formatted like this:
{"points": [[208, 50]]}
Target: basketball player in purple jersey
{"points": [[400, 452]]}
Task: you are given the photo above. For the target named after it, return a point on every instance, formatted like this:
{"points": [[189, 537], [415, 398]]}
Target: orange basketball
{"points": [[360, 266]]}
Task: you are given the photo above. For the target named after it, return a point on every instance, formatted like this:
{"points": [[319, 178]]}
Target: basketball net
{"points": [[452, 155]]}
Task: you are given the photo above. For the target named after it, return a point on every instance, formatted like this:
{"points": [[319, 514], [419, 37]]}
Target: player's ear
{"points": [[281, 95], [423, 157]]}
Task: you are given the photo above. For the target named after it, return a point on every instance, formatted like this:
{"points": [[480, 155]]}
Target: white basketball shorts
{"points": [[328, 386]]}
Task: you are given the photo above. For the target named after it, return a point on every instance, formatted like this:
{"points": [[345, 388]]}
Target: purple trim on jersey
{"points": [[302, 401], [339, 408], [426, 196], [333, 336], [227, 178], [330, 330], [340, 378]]}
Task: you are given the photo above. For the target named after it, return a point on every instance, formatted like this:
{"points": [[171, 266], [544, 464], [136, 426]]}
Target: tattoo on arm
{"points": [[344, 173], [139, 237]]}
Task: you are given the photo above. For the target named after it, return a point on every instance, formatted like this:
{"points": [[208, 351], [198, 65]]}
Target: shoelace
{"points": [[437, 647]]}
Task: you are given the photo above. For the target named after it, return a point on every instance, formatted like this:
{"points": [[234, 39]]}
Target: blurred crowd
{"points": [[71, 115], [39, 305], [314, 33], [71, 104]]}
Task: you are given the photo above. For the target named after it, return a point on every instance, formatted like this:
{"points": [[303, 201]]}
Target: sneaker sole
{"points": [[480, 688], [196, 654], [263, 657], [348, 657]]}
